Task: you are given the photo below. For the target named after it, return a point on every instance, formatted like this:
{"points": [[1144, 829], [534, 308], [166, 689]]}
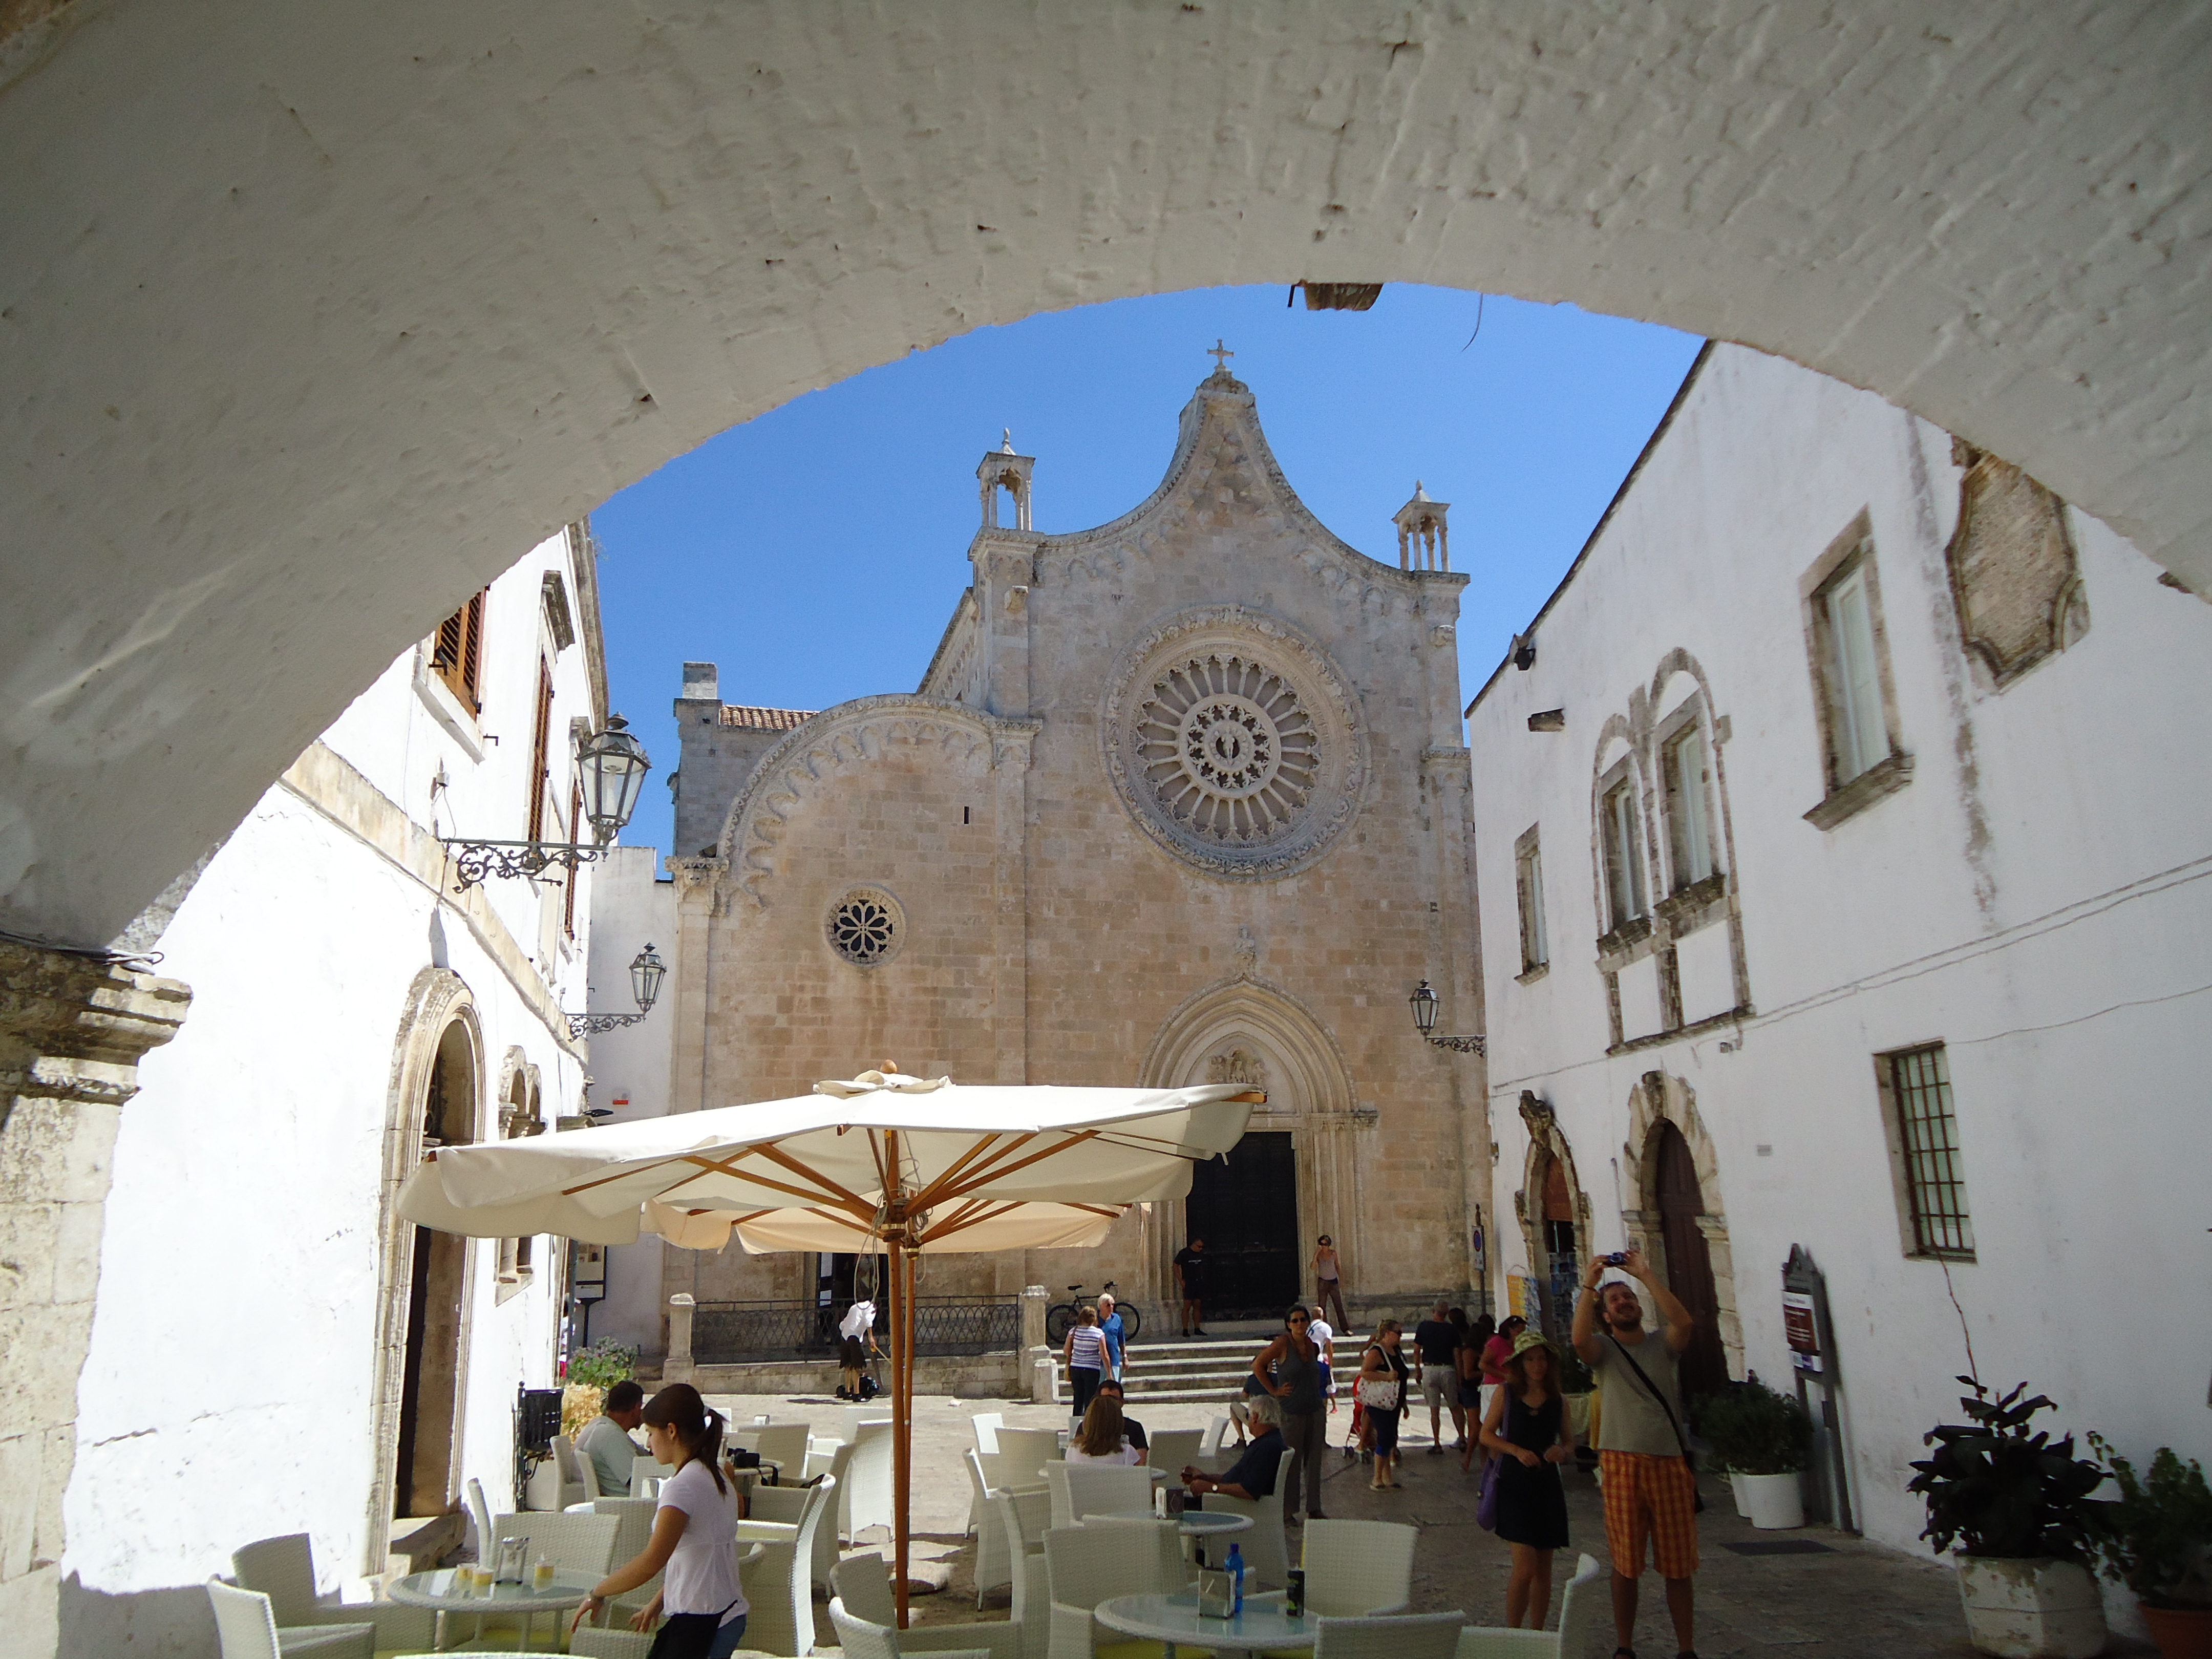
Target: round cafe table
{"points": [[1210, 1523], [446, 1591], [1172, 1621]]}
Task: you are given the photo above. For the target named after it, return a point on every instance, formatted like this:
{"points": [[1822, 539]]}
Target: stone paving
{"points": [[1854, 1598]]}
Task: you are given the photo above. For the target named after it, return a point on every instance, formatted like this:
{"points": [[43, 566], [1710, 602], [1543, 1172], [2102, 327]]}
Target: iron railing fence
{"points": [[738, 1333]]}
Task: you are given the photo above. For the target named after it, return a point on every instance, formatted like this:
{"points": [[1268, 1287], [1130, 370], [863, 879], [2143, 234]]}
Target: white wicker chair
{"points": [[1211, 1442], [987, 1425], [572, 1489], [284, 1569], [1022, 1518], [864, 1638], [787, 1506], [587, 1472], [1084, 1489], [784, 1444], [574, 1543], [1161, 1540], [1358, 1569], [480, 1518], [1582, 1607], [247, 1629], [1409, 1636], [590, 1642], [778, 1579], [867, 1497], [994, 1558], [1266, 1548], [864, 1590], [642, 1469], [1171, 1448], [1086, 1565], [1023, 1455]]}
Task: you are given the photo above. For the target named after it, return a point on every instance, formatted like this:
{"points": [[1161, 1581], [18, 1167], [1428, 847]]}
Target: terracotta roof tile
{"points": [[763, 720]]}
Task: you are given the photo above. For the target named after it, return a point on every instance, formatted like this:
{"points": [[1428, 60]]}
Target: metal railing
{"points": [[738, 1332]]}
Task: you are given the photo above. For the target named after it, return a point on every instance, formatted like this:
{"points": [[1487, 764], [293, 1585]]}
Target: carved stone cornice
{"points": [[74, 1027], [1536, 1113]]}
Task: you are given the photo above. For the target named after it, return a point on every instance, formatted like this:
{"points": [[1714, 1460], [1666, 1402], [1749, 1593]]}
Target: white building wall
{"points": [[633, 906], [229, 1390], [2035, 898]]}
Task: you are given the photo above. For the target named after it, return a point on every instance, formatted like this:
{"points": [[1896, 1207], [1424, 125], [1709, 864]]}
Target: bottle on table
{"points": [[1236, 1581]]}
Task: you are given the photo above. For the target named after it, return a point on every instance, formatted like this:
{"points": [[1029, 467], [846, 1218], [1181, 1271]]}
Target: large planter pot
{"points": [[2036, 1608], [1736, 1490], [2180, 1632], [1774, 1502]]}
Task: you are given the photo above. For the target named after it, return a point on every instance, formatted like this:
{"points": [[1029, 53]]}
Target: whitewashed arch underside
{"points": [[314, 317]]}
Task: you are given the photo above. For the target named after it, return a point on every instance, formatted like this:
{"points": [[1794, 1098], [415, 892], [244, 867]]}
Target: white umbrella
{"points": [[909, 1166]]}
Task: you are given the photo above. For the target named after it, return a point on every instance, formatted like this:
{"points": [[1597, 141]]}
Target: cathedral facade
{"points": [[1180, 799]]}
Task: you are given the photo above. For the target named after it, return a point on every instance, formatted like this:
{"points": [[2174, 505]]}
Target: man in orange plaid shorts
{"points": [[1650, 1492]]}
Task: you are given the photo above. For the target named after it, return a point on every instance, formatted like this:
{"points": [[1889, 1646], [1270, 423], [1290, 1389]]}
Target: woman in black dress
{"points": [[1526, 1428]]}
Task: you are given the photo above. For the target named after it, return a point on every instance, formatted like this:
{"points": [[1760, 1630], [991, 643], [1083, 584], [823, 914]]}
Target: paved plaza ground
{"points": [[1853, 1598]]}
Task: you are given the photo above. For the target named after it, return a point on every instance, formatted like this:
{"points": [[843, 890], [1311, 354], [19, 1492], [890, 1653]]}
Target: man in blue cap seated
{"points": [[1252, 1475]]}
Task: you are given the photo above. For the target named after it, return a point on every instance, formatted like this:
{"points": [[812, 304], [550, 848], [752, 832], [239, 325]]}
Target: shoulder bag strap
{"points": [[1653, 1391]]}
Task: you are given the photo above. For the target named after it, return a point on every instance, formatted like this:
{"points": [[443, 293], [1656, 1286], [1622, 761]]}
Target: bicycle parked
{"points": [[1059, 1317]]}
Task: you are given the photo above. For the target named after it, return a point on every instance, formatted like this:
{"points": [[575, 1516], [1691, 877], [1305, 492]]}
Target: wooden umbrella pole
{"points": [[901, 1312]]}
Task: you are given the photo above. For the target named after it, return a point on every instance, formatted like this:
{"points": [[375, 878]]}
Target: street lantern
{"points": [[1424, 1005], [647, 970], [614, 767], [646, 973], [611, 766]]}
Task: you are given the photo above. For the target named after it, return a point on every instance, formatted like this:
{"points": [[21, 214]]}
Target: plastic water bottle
{"points": [[1235, 1582]]}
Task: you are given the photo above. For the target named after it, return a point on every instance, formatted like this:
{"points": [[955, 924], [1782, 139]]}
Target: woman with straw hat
{"points": [[1526, 1429]]}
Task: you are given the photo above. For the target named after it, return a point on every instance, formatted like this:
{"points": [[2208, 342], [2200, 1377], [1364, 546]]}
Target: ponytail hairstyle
{"points": [[696, 1425]]}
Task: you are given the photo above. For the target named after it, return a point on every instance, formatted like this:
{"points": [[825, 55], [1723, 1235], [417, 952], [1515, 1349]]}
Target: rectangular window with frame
{"points": [[1853, 674], [540, 741], [1623, 869], [1689, 808], [457, 653], [1933, 1177], [1528, 882]]}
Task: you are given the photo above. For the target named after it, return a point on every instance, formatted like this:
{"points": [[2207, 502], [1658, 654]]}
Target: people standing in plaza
{"points": [[1527, 1425], [1322, 1335], [1112, 1329], [1473, 1399], [1329, 1277], [1190, 1285], [856, 1344], [692, 1545], [1651, 1489], [1437, 1341], [1384, 1384], [605, 1439], [1294, 1361], [1084, 1353], [1496, 1353]]}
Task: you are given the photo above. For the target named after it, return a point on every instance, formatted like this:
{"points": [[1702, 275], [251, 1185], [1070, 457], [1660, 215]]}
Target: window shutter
{"points": [[446, 655], [539, 736], [568, 898], [472, 653]]}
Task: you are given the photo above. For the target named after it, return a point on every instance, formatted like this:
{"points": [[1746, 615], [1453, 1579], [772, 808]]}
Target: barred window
{"points": [[1935, 1178]]}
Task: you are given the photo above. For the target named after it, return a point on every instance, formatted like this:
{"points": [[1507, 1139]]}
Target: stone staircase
{"points": [[1211, 1368]]}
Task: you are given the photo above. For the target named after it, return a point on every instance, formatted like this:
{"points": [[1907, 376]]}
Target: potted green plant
{"points": [[2015, 1506], [1715, 1418], [2158, 1544], [1771, 1444]]}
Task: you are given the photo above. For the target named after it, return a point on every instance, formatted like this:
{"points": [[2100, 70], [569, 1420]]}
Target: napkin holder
{"points": [[1217, 1593]]}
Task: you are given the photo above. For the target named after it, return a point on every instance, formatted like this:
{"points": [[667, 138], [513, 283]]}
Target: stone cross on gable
{"points": [[1220, 354]]}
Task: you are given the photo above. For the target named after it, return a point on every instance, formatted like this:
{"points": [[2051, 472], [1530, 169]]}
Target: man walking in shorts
{"points": [[1650, 1490], [1437, 1339]]}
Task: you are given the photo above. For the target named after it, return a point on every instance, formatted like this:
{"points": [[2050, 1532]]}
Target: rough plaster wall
{"points": [[310, 318], [1119, 934], [1981, 907]]}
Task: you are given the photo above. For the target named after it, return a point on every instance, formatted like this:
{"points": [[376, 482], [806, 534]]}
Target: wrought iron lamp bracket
{"points": [[478, 861], [593, 1025], [1459, 1045]]}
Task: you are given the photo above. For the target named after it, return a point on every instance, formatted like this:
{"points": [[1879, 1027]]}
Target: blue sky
{"points": [[816, 552]]}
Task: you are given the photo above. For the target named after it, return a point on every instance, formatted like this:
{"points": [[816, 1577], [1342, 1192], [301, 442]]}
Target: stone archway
{"points": [[436, 1095], [1246, 1029], [321, 407], [1554, 1213], [1658, 1103]]}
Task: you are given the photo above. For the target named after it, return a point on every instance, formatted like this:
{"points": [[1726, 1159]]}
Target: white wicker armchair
{"points": [[1407, 1636], [284, 1569], [1582, 1607], [1086, 1565], [778, 1579], [1266, 1547], [1358, 1569], [863, 1592], [248, 1630]]}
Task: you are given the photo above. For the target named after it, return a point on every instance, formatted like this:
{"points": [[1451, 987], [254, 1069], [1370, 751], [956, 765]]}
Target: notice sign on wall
{"points": [[1801, 1330]]}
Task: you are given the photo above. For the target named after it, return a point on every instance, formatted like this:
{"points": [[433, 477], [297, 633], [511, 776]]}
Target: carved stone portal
{"points": [[1237, 1065], [2014, 575]]}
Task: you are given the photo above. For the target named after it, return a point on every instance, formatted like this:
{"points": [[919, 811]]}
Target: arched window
{"points": [[1621, 845], [1689, 800]]}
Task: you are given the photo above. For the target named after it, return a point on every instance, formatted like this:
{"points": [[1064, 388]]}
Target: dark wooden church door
{"points": [[1247, 1212], [1689, 1264]]}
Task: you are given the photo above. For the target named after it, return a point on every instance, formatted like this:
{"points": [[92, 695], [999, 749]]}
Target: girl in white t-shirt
{"points": [[695, 1538]]}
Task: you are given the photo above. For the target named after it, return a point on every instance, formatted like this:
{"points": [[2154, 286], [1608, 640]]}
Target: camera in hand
{"points": [[1617, 1259]]}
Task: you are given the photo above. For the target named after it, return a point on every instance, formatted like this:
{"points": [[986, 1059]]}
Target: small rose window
{"points": [[866, 926]]}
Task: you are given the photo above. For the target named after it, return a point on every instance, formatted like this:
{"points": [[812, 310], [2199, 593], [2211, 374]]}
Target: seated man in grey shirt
{"points": [[605, 1439]]}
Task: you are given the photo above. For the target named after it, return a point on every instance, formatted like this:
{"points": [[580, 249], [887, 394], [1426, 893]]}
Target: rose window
{"points": [[1227, 749], [865, 927]]}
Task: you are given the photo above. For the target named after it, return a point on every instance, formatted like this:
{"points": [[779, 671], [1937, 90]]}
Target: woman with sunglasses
{"points": [[1297, 1386]]}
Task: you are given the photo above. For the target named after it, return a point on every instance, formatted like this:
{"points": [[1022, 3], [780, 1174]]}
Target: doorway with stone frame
{"points": [[1680, 1227], [435, 1099], [1554, 1213]]}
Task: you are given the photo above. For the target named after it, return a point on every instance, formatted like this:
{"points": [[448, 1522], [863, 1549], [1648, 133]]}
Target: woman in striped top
{"points": [[1086, 1357]]}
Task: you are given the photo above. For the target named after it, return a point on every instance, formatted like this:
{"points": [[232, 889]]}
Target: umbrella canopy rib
{"points": [[984, 1177], [939, 1188]]}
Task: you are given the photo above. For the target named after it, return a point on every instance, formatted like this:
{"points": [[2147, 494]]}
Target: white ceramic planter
{"points": [[1735, 1488], [2031, 1609], [1774, 1502]]}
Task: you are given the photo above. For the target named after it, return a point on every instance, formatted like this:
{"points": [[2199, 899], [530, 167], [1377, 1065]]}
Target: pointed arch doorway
{"points": [[1689, 1259]]}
